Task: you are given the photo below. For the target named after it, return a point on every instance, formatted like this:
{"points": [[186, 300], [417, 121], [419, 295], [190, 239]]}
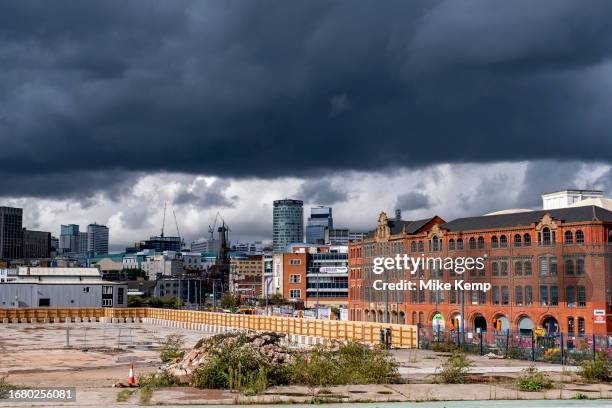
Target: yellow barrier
{"points": [[364, 332]]}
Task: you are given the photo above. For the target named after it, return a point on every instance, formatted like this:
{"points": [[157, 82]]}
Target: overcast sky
{"points": [[108, 109]]}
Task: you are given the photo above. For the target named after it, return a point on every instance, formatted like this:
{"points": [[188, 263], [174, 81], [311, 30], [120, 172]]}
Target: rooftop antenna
{"points": [[163, 221]]}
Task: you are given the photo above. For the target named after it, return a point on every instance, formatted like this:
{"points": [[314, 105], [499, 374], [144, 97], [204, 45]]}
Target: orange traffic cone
{"points": [[131, 377]]}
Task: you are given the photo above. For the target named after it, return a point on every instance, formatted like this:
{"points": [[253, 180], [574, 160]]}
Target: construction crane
{"points": [[211, 229], [163, 221], [178, 233]]}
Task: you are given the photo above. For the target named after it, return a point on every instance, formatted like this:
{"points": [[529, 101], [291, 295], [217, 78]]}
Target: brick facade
{"points": [[552, 268]]}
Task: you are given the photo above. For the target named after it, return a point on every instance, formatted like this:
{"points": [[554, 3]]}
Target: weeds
{"points": [[531, 379], [596, 370], [243, 368], [352, 363], [171, 347], [455, 370], [149, 382], [124, 395], [5, 387], [238, 366]]}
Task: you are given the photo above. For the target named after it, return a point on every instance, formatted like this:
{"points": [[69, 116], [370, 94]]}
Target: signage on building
{"points": [[324, 313], [599, 316], [333, 269]]}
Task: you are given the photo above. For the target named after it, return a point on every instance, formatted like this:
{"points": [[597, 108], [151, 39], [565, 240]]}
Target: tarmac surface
{"points": [[93, 357]]}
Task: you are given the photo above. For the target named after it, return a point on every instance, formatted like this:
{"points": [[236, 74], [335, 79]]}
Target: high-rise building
{"points": [[206, 245], [337, 236], [70, 239], [36, 244], [287, 223], [319, 222], [55, 243], [97, 239], [11, 233], [83, 243]]}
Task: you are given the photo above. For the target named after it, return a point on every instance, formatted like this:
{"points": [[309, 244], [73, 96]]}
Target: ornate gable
{"points": [[383, 231]]}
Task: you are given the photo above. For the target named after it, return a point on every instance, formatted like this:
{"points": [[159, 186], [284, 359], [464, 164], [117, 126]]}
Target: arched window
{"points": [[569, 267], [472, 243], [517, 240], [413, 247], [579, 237], [459, 243], [569, 237], [421, 317], [414, 317], [579, 267], [494, 243], [527, 239], [494, 269], [545, 236], [518, 268], [503, 241], [436, 244], [451, 244], [421, 246], [481, 243]]}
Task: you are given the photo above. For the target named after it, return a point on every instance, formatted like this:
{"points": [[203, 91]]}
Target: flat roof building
{"points": [[61, 287]]}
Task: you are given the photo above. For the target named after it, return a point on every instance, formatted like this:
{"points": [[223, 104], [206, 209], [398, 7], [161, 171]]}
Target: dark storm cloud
{"points": [[277, 88], [413, 201], [83, 186], [545, 177], [321, 192], [206, 195]]}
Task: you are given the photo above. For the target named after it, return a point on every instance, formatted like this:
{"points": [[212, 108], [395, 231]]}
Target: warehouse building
{"points": [[61, 287], [548, 269]]}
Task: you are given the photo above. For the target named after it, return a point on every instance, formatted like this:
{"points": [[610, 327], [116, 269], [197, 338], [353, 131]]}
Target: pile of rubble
{"points": [[265, 346]]}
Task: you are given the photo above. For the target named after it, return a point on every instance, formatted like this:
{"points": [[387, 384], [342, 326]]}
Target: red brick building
{"points": [[549, 269], [314, 275]]}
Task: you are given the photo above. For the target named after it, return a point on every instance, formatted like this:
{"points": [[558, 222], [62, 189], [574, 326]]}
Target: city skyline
{"points": [[448, 113]]}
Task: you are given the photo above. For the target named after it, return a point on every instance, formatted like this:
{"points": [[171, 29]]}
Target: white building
{"points": [[167, 264], [61, 287], [565, 198]]}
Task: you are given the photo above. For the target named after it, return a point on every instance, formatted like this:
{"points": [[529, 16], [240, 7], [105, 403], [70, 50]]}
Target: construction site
{"points": [[105, 355]]}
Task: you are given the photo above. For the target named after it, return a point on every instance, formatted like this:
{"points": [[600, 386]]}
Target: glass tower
{"points": [[287, 223]]}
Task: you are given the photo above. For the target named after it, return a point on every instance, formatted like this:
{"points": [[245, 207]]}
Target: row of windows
{"points": [[575, 296], [545, 237]]}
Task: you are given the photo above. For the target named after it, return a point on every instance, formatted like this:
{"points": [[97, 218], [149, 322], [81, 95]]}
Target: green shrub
{"points": [[351, 363], [239, 366], [156, 380], [124, 395], [596, 370], [135, 301], [446, 347], [455, 370], [531, 379], [5, 387], [171, 347], [581, 396]]}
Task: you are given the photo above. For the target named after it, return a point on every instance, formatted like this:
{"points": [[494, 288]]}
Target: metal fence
{"points": [[82, 337], [556, 348]]}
